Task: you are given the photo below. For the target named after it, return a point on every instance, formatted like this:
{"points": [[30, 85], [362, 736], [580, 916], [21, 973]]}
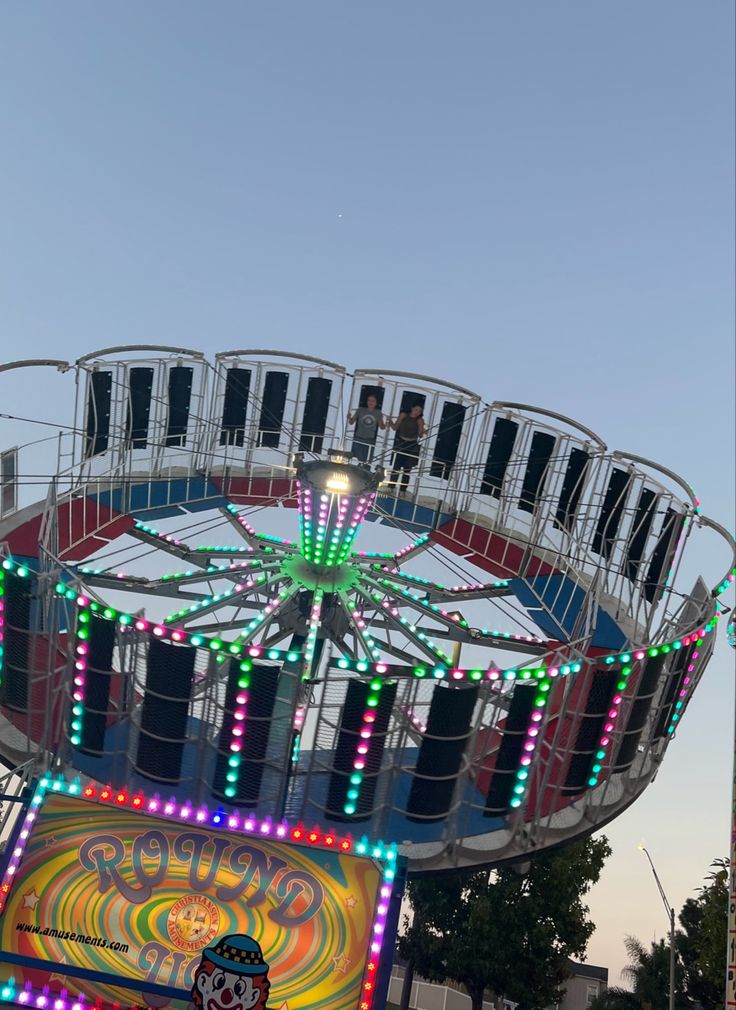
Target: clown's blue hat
{"points": [[237, 952]]}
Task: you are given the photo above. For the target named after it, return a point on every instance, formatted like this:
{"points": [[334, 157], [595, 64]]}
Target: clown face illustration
{"points": [[231, 976], [226, 990]]}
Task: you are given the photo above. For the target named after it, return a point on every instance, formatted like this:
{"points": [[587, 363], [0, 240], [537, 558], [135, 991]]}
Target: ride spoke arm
{"points": [[238, 522], [233, 572], [256, 583], [367, 643], [406, 627], [435, 590], [460, 631], [264, 617], [455, 623], [315, 619]]}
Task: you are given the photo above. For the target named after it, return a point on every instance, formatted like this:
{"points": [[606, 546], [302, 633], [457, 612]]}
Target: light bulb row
{"points": [[2, 625], [254, 624], [609, 727], [241, 520], [314, 623], [682, 693], [531, 743], [413, 546], [184, 811], [79, 680], [218, 597], [362, 748], [237, 730]]}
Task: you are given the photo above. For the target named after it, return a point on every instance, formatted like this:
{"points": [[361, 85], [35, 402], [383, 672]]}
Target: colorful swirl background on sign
{"points": [[317, 963]]}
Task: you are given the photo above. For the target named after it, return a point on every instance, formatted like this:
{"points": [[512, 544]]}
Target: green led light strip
{"points": [[76, 718], [362, 748], [438, 671], [531, 742], [609, 727], [315, 620], [238, 729]]}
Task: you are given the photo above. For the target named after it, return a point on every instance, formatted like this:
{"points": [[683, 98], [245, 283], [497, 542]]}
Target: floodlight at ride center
{"points": [[333, 497]]}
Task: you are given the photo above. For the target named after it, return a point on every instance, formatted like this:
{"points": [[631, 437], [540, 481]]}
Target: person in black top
{"points": [[409, 428]]}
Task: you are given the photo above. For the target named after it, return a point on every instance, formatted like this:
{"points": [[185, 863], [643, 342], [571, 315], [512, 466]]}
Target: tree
{"points": [[702, 942], [700, 976], [503, 931], [648, 971]]}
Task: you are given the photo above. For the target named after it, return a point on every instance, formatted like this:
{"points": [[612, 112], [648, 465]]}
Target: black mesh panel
{"points": [[611, 512], [543, 445], [100, 645], [165, 710], [180, 395], [15, 676], [662, 553], [314, 418], [99, 399], [503, 779], [348, 739], [448, 440], [235, 407], [590, 730], [440, 755], [651, 670], [572, 487], [643, 518], [261, 696], [139, 407], [273, 405], [499, 454]]}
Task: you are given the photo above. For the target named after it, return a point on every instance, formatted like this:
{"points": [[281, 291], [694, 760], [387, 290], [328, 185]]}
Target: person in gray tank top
{"points": [[409, 428], [367, 421]]}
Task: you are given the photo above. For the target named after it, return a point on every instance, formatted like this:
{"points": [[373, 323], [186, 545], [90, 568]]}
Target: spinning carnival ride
{"points": [[489, 664]]}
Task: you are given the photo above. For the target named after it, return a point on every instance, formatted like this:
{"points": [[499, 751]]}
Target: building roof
{"points": [[581, 970]]}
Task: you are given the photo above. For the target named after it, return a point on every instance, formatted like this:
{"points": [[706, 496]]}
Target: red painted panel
{"points": [[86, 525], [257, 490]]}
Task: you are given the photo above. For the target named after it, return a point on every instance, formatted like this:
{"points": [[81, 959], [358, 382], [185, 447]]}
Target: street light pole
{"points": [[671, 915]]}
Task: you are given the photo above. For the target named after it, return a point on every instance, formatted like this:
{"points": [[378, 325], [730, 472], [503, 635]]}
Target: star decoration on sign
{"points": [[341, 963], [31, 899], [50, 841], [352, 901]]}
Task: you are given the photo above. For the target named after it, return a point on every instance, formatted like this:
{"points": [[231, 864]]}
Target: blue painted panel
{"points": [[162, 498], [414, 517], [564, 599]]}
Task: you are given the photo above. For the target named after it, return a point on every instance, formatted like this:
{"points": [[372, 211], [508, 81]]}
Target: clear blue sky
{"points": [[533, 200]]}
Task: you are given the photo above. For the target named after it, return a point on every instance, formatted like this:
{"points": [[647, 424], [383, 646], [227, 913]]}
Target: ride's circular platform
{"points": [[227, 596]]}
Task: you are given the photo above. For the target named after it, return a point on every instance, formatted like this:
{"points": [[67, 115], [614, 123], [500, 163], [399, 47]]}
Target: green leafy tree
{"points": [[702, 941], [503, 931]]}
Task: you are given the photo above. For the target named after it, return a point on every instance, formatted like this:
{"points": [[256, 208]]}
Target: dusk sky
{"points": [[535, 201]]}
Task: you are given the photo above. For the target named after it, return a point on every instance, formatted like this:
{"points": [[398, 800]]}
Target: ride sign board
{"points": [[108, 899]]}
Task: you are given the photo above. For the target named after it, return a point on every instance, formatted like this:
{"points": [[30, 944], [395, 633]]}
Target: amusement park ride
{"points": [[490, 663]]}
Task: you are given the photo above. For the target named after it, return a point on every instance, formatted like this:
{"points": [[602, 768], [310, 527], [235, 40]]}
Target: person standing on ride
{"points": [[409, 429], [367, 421]]}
